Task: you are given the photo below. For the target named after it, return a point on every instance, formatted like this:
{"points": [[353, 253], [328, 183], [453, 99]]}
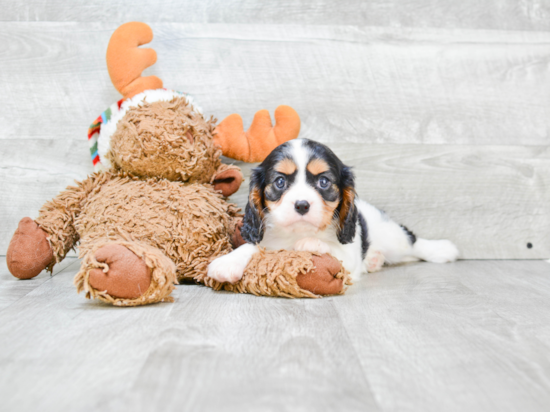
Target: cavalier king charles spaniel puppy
{"points": [[302, 197]]}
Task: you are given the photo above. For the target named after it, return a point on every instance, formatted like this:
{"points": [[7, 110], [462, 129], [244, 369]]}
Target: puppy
{"points": [[302, 197]]}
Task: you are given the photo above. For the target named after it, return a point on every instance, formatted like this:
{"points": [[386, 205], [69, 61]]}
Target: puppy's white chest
{"points": [[304, 238], [313, 245], [274, 242]]}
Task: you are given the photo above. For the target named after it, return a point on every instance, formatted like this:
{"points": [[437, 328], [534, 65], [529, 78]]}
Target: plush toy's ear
{"points": [[347, 211], [252, 230], [228, 181], [125, 61], [261, 138]]}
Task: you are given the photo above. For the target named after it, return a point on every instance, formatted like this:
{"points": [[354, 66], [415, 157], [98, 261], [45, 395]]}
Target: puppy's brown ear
{"points": [[347, 211], [252, 230]]}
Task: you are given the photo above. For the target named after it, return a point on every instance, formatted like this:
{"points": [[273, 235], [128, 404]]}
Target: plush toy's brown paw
{"points": [[321, 280], [128, 276], [29, 252]]}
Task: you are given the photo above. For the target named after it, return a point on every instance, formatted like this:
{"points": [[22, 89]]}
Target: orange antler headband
{"points": [[261, 138], [126, 61]]}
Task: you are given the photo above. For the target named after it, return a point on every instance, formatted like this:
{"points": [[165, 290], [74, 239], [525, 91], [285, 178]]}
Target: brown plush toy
{"points": [[155, 213]]}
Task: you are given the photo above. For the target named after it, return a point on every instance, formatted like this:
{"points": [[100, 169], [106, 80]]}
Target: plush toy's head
{"points": [[169, 138], [160, 133]]}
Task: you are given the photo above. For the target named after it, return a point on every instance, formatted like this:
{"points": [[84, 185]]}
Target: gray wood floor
{"points": [[468, 336]]}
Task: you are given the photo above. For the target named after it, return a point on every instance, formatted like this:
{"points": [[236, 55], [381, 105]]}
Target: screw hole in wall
{"points": [[529, 245]]}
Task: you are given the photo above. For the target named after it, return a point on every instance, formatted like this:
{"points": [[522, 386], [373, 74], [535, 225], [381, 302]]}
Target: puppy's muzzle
{"points": [[301, 206]]}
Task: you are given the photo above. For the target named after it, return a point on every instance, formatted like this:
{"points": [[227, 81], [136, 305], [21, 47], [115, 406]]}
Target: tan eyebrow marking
{"points": [[317, 166], [286, 166]]}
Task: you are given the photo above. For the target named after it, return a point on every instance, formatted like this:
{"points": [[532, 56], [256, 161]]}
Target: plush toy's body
{"points": [[176, 229], [158, 213]]}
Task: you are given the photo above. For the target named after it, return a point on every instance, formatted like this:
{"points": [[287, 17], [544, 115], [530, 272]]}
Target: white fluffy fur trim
{"points": [[150, 96]]}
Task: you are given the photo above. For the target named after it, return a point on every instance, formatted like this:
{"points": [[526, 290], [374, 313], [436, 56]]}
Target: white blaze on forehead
{"points": [[300, 155]]}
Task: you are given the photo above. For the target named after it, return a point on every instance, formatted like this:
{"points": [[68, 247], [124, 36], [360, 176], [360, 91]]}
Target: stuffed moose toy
{"points": [[155, 212]]}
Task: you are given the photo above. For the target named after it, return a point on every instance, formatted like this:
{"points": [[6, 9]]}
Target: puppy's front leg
{"points": [[313, 245], [230, 268]]}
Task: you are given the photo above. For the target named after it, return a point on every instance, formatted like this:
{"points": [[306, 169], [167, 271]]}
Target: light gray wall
{"points": [[443, 107]]}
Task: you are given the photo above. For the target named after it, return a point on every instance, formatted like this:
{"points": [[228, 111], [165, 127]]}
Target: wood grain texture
{"points": [[465, 336], [462, 330], [12, 289], [208, 351], [489, 14], [357, 84], [33, 171]]}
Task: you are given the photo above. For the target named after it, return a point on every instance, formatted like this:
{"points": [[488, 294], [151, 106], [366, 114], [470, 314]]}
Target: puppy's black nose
{"points": [[302, 206]]}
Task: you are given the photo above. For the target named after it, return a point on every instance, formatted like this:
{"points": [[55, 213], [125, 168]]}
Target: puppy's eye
{"points": [[280, 182], [323, 182]]}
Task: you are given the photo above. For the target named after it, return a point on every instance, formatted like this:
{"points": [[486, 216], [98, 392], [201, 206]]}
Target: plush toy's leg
{"points": [[29, 252], [290, 274], [38, 245], [126, 273], [128, 276]]}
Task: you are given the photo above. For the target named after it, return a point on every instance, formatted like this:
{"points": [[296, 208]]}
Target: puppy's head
{"points": [[301, 185]]}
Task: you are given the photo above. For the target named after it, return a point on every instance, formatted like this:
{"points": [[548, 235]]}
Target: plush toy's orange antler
{"points": [[125, 61], [261, 138]]}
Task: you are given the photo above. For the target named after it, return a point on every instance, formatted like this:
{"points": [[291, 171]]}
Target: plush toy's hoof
{"points": [[128, 276], [29, 252], [321, 280]]}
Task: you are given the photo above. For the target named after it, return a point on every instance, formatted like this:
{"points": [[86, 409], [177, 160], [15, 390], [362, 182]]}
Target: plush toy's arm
{"points": [[289, 273], [58, 215], [227, 179], [40, 244], [261, 138]]}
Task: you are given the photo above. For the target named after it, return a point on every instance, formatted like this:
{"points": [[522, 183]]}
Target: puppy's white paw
{"points": [[311, 244], [227, 268], [374, 260]]}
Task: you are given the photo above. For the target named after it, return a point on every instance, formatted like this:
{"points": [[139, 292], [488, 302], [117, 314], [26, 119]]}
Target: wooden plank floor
{"points": [[467, 336]]}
